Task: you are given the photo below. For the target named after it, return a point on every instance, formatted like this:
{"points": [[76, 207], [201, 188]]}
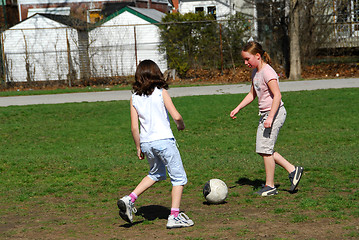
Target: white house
{"points": [[220, 8], [123, 39], [43, 47]]}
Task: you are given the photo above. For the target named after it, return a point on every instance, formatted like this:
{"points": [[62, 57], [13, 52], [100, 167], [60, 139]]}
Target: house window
{"points": [[347, 11], [347, 16], [356, 10], [94, 15], [212, 10], [199, 9]]}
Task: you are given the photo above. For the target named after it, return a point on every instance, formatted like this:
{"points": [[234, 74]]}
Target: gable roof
{"points": [[67, 20], [147, 14], [62, 19]]}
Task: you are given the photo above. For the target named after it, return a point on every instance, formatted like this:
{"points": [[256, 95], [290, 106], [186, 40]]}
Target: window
{"points": [[347, 16], [347, 10], [199, 9], [356, 10], [211, 10], [94, 15]]}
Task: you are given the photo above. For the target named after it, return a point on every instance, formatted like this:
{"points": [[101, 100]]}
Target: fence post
{"points": [[83, 55], [134, 31], [221, 46], [2, 59], [69, 75]]}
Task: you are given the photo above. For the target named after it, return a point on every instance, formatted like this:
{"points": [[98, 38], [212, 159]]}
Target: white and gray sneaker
{"points": [[267, 191], [182, 220], [126, 207], [294, 178]]}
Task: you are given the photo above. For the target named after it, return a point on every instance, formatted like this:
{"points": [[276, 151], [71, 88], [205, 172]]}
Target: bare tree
{"points": [[295, 60]]}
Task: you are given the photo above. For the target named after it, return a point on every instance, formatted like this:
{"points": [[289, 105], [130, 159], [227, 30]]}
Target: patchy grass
{"points": [[63, 166]]}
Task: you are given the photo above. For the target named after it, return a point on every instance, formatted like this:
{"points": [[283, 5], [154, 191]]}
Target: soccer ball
{"points": [[215, 191]]}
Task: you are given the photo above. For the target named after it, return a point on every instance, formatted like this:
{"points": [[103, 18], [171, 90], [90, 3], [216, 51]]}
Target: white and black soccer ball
{"points": [[215, 191]]}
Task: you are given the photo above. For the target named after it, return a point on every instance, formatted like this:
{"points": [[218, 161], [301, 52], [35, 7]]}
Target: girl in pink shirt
{"points": [[273, 114]]}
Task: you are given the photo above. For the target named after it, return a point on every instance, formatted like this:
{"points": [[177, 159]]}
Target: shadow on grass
{"points": [[245, 181], [208, 204], [150, 213], [257, 184]]}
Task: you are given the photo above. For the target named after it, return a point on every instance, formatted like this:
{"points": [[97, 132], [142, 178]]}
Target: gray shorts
{"points": [[266, 137], [161, 155]]}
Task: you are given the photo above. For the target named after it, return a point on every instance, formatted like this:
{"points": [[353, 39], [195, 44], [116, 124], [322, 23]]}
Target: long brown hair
{"points": [[148, 76], [254, 48]]}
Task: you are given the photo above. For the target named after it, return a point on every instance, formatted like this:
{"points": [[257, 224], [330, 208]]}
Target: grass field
{"points": [[62, 168]]}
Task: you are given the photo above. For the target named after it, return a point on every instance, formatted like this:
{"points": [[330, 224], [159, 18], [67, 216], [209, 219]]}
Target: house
{"points": [[219, 8], [122, 40], [86, 10], [44, 47]]}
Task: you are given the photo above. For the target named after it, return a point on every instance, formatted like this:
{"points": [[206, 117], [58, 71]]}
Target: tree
{"points": [[295, 60], [198, 41], [292, 31]]}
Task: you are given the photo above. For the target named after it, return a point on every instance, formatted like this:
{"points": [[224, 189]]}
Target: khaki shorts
{"points": [[266, 137]]}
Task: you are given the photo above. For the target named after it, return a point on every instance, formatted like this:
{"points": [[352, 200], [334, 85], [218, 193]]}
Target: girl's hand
{"points": [[140, 154], [268, 122], [233, 113], [180, 126]]}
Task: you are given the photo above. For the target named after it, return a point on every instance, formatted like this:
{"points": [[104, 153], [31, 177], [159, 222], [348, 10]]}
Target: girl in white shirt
{"points": [[273, 114], [150, 104]]}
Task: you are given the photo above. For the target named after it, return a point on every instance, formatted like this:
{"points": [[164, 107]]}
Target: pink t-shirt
{"points": [[260, 82]]}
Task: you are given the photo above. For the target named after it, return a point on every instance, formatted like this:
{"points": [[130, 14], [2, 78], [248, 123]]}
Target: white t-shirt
{"points": [[153, 116], [260, 82]]}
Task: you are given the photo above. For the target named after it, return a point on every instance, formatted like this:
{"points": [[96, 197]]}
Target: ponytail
{"points": [[266, 58]]}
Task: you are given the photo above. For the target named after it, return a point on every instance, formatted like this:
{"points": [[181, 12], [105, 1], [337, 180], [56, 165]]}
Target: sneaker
{"points": [[126, 207], [267, 191], [182, 220], [294, 178]]}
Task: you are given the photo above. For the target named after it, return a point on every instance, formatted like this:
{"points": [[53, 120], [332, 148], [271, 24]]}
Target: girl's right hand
{"points": [[180, 126]]}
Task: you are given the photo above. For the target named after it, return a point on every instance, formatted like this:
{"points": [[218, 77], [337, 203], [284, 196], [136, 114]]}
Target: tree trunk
{"points": [[295, 65]]}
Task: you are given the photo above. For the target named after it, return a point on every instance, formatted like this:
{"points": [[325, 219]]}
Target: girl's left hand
{"points": [[140, 155]]}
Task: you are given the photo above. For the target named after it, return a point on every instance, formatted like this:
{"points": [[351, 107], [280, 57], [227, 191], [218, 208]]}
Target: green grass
{"points": [[21, 92], [77, 158]]}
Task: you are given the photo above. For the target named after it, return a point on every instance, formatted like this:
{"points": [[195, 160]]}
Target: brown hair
{"points": [[148, 76], [254, 48]]}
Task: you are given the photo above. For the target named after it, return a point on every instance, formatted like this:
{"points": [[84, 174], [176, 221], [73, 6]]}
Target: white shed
{"points": [[123, 39], [43, 47]]}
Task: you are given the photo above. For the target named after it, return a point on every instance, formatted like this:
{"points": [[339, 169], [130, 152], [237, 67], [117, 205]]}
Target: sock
{"points": [[175, 212], [133, 197]]}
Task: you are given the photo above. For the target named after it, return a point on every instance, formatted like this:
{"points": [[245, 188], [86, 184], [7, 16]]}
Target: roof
{"points": [[147, 14], [62, 19], [67, 20]]}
